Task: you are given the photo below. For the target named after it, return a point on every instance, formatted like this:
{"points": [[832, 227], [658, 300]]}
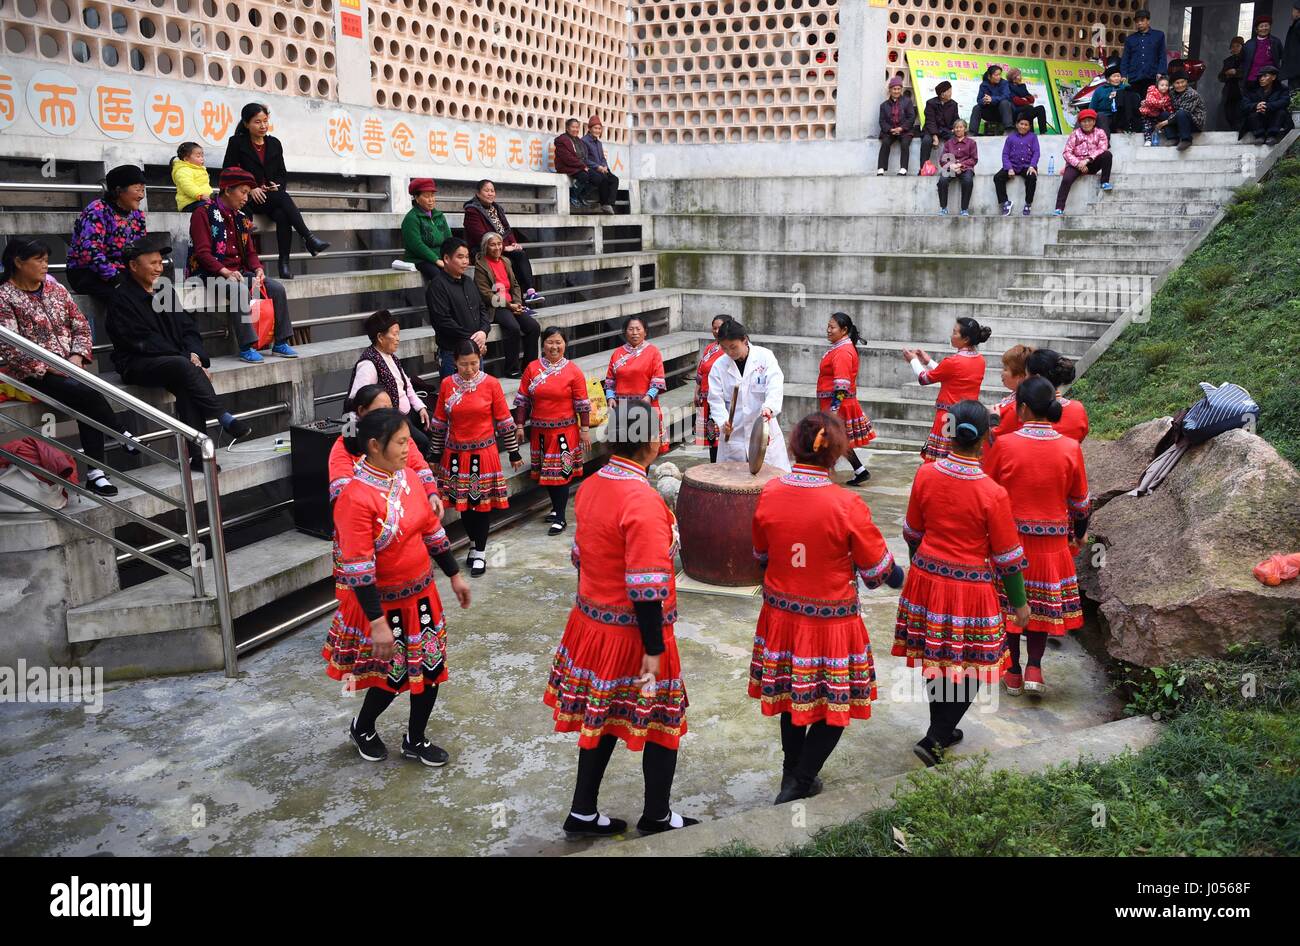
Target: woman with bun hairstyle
{"points": [[812, 661], [960, 531], [837, 390], [1013, 373], [1046, 363], [1043, 471], [959, 377]]}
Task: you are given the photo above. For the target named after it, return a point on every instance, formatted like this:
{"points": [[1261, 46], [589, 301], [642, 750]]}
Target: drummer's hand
{"points": [[382, 643], [460, 587], [726, 427], [650, 665]]}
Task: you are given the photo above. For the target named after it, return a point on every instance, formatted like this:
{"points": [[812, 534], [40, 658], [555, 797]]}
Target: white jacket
{"points": [[760, 388]]}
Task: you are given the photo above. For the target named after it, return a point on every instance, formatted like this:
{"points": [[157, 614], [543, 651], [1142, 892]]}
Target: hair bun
{"points": [[985, 333]]}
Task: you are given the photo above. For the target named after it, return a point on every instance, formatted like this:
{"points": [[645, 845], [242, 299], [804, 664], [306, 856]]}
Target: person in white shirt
{"points": [[378, 364], [750, 375]]}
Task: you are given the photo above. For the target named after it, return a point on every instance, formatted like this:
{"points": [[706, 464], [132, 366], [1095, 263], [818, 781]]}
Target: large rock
{"points": [[1171, 571]]}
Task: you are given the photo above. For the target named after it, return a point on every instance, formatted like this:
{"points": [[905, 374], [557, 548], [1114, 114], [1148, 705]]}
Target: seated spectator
{"points": [[1189, 110], [259, 153], [1157, 109], [596, 156], [424, 228], [1020, 156], [957, 160], [994, 97], [1267, 109], [1263, 50], [107, 226], [1113, 101], [456, 309], [224, 254], [378, 364], [496, 282], [571, 158], [483, 215], [940, 116], [897, 124], [1023, 100], [1231, 77], [156, 345], [36, 306], [190, 176], [1087, 151]]}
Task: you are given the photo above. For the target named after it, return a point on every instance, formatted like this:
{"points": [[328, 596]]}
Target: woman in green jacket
{"points": [[424, 229]]}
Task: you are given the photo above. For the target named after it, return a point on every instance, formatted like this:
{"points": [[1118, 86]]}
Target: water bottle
{"points": [[1051, 165], [1155, 137]]}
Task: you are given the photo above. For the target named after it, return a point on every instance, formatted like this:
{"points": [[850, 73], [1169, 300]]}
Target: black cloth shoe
{"points": [[575, 829], [557, 526], [652, 826], [196, 464], [552, 516], [370, 746], [477, 567], [100, 484], [315, 244], [956, 737], [790, 790], [425, 752], [285, 271], [860, 478], [928, 752], [240, 429]]}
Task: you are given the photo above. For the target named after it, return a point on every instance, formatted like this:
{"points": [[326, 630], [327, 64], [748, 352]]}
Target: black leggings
{"points": [[81, 398], [658, 766], [559, 499], [286, 216], [807, 748], [517, 331], [948, 704], [477, 525], [523, 270], [1037, 646], [377, 700]]}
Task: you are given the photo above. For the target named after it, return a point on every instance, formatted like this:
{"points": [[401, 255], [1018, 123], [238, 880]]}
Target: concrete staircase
{"points": [[781, 254]]}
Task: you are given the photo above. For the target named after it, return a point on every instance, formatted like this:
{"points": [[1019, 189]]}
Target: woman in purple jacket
{"points": [[957, 160], [1019, 159]]}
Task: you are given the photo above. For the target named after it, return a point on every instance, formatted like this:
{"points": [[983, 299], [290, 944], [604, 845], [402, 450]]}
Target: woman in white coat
{"points": [[755, 371]]}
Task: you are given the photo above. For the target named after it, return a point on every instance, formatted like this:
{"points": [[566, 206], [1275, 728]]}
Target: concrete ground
{"points": [[261, 764]]}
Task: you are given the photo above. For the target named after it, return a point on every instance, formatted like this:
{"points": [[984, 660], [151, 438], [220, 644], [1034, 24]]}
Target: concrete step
{"points": [[1160, 254], [1172, 223], [879, 403], [1142, 208], [991, 391], [1080, 232], [1077, 284], [1153, 189], [1097, 303]]}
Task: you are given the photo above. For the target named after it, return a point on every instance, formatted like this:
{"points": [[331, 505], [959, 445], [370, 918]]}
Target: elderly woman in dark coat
{"points": [[897, 123]]}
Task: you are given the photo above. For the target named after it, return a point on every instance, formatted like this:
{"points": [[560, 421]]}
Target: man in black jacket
{"points": [[155, 343], [1266, 109], [456, 309], [1290, 68]]}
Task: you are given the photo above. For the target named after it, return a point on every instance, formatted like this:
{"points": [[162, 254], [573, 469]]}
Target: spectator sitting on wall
{"points": [[1020, 156], [1189, 110], [1114, 104], [483, 215], [1144, 55], [957, 160], [456, 310], [1087, 151], [897, 123], [940, 116], [596, 155], [1023, 100], [994, 96], [1264, 49], [1267, 109], [571, 158], [1157, 109], [1290, 68], [495, 278], [105, 228], [1230, 76], [424, 228]]}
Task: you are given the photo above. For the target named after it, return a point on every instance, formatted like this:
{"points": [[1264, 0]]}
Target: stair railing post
{"points": [[216, 536]]}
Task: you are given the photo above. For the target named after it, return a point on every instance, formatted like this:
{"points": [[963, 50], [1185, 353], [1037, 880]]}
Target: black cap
{"points": [[124, 176], [1143, 14], [149, 243], [1267, 69], [1113, 71]]}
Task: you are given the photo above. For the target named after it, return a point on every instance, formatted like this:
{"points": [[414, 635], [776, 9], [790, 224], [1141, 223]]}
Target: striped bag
{"points": [[1227, 407]]}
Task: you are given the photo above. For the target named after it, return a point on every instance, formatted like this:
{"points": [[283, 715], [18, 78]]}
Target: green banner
{"points": [[1069, 79], [965, 72]]}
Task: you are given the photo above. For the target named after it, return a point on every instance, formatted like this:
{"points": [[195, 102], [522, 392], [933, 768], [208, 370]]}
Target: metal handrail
{"points": [[183, 434]]}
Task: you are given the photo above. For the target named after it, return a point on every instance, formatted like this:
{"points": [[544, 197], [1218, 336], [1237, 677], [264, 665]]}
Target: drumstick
{"points": [[731, 414]]}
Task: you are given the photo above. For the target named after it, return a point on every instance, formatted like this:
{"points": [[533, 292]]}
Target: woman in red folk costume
{"points": [[959, 377], [960, 532], [389, 635], [553, 408], [1073, 422], [343, 462], [636, 371], [616, 674], [706, 428], [812, 661], [471, 425], [1014, 371], [1044, 473], [837, 390]]}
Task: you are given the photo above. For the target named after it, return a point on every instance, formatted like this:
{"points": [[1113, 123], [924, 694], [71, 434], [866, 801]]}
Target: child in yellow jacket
{"points": [[190, 176]]}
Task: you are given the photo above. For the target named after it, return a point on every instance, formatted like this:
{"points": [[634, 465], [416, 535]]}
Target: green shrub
{"points": [[1155, 354], [1216, 276], [1247, 192], [1288, 167], [1197, 308]]}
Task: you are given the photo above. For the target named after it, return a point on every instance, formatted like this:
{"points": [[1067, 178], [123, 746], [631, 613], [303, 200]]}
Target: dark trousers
{"points": [[1232, 112], [658, 766], [605, 185], [949, 701], [427, 270], [1149, 123], [446, 362], [927, 145], [88, 401], [477, 526], [1140, 87], [559, 499], [967, 181], [1039, 114], [806, 748], [233, 298], [1275, 121], [378, 700], [887, 145], [1004, 110], [1186, 127], [523, 269], [286, 216], [514, 330], [1000, 183], [1125, 115], [196, 401], [1099, 165]]}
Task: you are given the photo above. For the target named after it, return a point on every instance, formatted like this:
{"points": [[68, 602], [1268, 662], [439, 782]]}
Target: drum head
{"points": [[757, 445]]}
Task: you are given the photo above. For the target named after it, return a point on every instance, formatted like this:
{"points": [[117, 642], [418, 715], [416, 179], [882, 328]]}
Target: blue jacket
{"points": [[1020, 152], [999, 93], [1144, 55], [1107, 97]]}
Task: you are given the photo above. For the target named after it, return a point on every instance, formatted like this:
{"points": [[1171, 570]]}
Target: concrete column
{"points": [[1174, 34], [1218, 26], [864, 57], [352, 53], [1161, 11]]}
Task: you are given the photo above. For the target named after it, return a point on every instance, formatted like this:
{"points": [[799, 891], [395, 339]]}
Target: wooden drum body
{"points": [[715, 516]]}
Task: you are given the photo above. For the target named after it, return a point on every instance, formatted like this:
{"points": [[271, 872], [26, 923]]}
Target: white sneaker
{"points": [[880, 172], [403, 265], [902, 172]]}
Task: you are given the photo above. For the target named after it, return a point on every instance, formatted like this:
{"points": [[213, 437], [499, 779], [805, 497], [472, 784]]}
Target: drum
{"points": [[715, 517]]}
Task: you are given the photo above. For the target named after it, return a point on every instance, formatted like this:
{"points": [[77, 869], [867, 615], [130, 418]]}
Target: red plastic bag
{"points": [[1278, 568], [928, 169], [262, 314]]}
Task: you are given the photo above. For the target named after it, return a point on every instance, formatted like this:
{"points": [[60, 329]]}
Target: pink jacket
{"points": [[51, 320], [1080, 147], [1156, 103]]}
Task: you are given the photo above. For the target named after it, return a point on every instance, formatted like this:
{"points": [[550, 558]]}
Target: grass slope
{"points": [[1230, 313]]}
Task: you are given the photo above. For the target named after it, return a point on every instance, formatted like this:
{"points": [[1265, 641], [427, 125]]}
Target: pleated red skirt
{"points": [[856, 422], [951, 626], [1051, 585]]}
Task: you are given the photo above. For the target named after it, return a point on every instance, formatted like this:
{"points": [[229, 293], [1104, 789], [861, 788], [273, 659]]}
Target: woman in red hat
{"points": [[424, 228], [1087, 151]]}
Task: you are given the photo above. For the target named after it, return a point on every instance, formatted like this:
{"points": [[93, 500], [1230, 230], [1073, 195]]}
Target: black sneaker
{"points": [[652, 826], [860, 478], [557, 526], [369, 746], [575, 829], [425, 752], [790, 789], [240, 429]]}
